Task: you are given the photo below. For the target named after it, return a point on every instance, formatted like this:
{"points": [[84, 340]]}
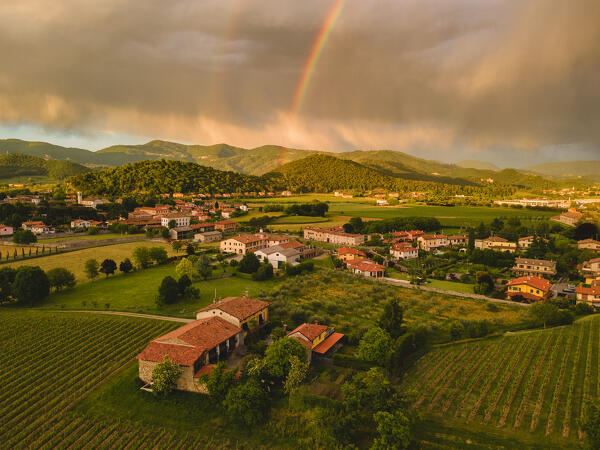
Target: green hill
{"points": [[568, 169], [480, 165], [16, 165], [164, 176]]}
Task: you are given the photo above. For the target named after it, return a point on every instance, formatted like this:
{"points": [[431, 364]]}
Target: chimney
{"points": [[284, 328], [316, 322]]}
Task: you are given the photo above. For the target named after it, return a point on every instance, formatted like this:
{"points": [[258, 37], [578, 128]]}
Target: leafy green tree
{"points": [[158, 255], [31, 285], [164, 233], [219, 382], [247, 403], [393, 430], [591, 426], [172, 224], [7, 277], [296, 374], [203, 267], [375, 347], [24, 237], [93, 230], [185, 267], [126, 266], [279, 354], [108, 267], [141, 256], [249, 263], [189, 249], [391, 318], [183, 283], [164, 377], [91, 268], [176, 246], [264, 272], [168, 291], [60, 278]]}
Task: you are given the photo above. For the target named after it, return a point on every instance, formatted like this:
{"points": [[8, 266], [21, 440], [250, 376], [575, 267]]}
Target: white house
{"points": [[37, 227], [404, 251], [181, 220], [278, 256]]}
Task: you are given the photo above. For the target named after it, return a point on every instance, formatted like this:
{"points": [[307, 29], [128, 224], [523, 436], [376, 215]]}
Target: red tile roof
{"points": [[239, 307], [293, 244], [350, 251], [594, 290], [187, 343], [331, 340], [535, 282], [310, 330], [365, 265]]}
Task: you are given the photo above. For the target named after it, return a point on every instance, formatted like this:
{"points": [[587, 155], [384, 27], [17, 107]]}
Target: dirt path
{"points": [[119, 313]]}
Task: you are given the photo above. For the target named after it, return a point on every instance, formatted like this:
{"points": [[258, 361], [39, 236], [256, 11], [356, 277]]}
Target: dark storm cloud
{"points": [[412, 75]]}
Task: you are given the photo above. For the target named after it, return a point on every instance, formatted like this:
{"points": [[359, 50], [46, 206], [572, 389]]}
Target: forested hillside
{"points": [[15, 165], [164, 176]]}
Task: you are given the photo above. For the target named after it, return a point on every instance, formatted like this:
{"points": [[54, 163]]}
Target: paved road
{"points": [[119, 313]]}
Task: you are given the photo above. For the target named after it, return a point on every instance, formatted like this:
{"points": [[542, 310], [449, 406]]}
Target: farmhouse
{"points": [[404, 251], [590, 270], [458, 239], [208, 236], [527, 241], [321, 340], [305, 251], [569, 218], [432, 241], [243, 243], [349, 254], [181, 220], [226, 226], [538, 267], [333, 235], [530, 288], [278, 256], [274, 239], [238, 311], [589, 244], [589, 295], [496, 243], [37, 227], [366, 268]]}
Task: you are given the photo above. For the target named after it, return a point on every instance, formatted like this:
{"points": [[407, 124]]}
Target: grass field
{"points": [[75, 260], [50, 361], [530, 385], [87, 237], [137, 291]]}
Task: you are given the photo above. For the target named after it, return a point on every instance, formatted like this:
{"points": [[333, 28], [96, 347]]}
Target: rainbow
{"points": [[315, 53]]}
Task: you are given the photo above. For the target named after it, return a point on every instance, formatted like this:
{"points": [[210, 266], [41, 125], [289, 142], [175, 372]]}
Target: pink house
{"points": [[6, 230]]}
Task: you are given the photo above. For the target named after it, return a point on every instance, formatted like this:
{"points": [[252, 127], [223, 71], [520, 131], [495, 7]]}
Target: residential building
{"points": [[570, 218], [193, 347], [589, 295], [226, 226], [590, 270], [349, 254], [181, 220], [202, 227], [496, 243], [535, 202], [333, 235], [208, 236], [179, 233], [589, 244], [274, 239], [530, 288], [458, 239], [382, 202], [306, 251], [243, 243], [406, 236], [320, 340], [404, 251], [278, 256], [366, 268], [37, 227], [5, 230], [238, 311], [430, 242], [83, 224], [538, 267], [286, 194]]}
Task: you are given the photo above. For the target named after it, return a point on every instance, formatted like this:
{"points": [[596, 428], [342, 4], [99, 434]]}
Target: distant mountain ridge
{"points": [[568, 169], [480, 165], [14, 165]]}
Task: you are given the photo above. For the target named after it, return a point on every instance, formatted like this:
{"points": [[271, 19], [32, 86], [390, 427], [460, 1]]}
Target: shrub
{"points": [[24, 237], [91, 268], [31, 285], [183, 283], [264, 272], [158, 255], [249, 263], [247, 403], [126, 266], [168, 291], [59, 278], [108, 267], [164, 377], [375, 347]]}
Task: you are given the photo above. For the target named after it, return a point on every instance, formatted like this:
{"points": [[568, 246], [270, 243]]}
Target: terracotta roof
{"points": [[35, 222], [226, 222], [304, 342], [175, 216], [187, 343], [202, 225], [247, 238], [495, 239], [293, 244], [535, 282], [428, 237], [239, 307], [365, 265], [589, 241], [526, 238], [535, 262], [331, 340], [310, 330], [594, 290], [350, 251], [404, 247], [457, 236]]}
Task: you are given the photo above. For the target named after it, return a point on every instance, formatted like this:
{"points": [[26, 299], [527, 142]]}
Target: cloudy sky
{"points": [[510, 81]]}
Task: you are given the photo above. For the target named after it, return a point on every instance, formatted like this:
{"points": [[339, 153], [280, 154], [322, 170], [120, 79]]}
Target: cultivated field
{"points": [[50, 361], [530, 384], [75, 260]]}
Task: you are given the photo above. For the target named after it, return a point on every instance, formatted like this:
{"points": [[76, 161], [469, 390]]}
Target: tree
{"points": [[158, 255], [126, 266], [375, 347], [247, 403], [357, 224], [141, 255], [164, 233], [172, 224], [183, 283], [391, 318], [91, 268], [279, 354], [93, 230], [249, 263], [545, 313], [108, 267], [591, 426], [168, 291], [185, 267], [7, 277], [393, 429], [24, 237], [585, 230], [296, 375], [31, 285], [219, 382], [176, 246], [190, 250], [59, 278], [164, 377], [264, 272]]}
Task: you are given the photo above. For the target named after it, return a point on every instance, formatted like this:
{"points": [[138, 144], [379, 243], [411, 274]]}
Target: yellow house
{"points": [[530, 288], [318, 339], [239, 311], [350, 254]]}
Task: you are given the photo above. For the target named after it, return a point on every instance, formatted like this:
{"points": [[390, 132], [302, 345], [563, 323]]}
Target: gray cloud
{"points": [[425, 76]]}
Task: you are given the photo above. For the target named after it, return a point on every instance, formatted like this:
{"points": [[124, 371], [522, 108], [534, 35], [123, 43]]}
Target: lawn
{"points": [[451, 286], [75, 260], [90, 237], [532, 384], [137, 291]]}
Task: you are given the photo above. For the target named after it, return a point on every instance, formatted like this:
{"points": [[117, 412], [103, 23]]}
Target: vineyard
{"points": [[537, 383], [50, 361]]}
